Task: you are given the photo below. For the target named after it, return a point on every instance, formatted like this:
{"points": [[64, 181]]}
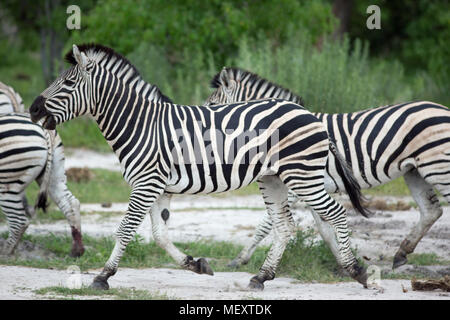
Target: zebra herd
{"points": [[249, 130]]}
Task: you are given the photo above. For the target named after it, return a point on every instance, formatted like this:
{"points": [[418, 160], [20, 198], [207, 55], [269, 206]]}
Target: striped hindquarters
{"points": [[23, 152], [10, 101], [383, 143]]}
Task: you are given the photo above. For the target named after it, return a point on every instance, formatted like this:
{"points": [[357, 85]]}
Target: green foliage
{"points": [[199, 26], [83, 133], [425, 259], [106, 186], [179, 47], [415, 32], [396, 187], [339, 77]]}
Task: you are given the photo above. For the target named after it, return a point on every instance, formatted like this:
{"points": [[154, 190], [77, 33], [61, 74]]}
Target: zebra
{"points": [[10, 101], [380, 144], [28, 153], [175, 149]]}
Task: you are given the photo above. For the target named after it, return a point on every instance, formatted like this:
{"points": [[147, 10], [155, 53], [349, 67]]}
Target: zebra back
{"points": [[10, 101]]}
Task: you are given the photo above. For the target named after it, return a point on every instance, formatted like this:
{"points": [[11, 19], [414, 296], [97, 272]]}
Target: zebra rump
{"points": [[352, 186]]}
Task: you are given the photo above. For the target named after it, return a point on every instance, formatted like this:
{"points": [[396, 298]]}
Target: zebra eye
{"points": [[68, 82]]}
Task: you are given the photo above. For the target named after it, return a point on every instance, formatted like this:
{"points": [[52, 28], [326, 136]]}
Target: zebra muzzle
{"points": [[38, 111]]}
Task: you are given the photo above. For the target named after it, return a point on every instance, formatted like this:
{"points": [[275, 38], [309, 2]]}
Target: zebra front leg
{"points": [[141, 202], [12, 205], [430, 210], [158, 215], [275, 197]]}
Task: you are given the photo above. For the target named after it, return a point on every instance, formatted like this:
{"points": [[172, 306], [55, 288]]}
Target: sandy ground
{"points": [[210, 218], [183, 284]]}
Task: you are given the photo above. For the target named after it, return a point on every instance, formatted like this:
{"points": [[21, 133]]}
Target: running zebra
{"points": [[381, 144], [174, 149], [28, 153]]}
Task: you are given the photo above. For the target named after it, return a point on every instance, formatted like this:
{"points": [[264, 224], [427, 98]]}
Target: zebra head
{"points": [[234, 85], [69, 96], [225, 86]]}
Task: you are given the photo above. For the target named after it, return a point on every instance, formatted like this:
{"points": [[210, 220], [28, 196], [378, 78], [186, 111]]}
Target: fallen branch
{"points": [[430, 285]]}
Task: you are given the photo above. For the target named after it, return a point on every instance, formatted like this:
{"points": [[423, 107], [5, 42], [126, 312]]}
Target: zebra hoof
{"points": [[399, 259], [76, 252], [99, 284], [200, 266], [204, 267], [235, 263], [256, 284], [359, 274]]}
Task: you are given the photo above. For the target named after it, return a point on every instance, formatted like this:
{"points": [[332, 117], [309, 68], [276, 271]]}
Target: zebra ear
{"points": [[223, 77], [80, 57]]}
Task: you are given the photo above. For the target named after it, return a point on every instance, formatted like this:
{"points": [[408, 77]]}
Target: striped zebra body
{"points": [[380, 144], [169, 148], [29, 153]]}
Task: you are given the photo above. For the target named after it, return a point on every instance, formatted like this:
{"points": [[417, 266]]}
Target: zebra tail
{"points": [[41, 201], [352, 186]]}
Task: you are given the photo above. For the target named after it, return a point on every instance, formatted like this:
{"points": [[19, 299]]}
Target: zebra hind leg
{"points": [[331, 211], [275, 197], [262, 231], [12, 205], [159, 216], [430, 210]]}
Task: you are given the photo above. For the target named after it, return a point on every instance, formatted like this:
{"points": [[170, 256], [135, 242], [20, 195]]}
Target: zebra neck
{"points": [[120, 112]]}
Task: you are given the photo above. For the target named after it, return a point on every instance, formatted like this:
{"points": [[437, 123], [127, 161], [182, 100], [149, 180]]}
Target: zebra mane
{"points": [[251, 78], [104, 56]]}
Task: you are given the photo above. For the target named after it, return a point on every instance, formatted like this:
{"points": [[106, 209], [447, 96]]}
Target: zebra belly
{"points": [[211, 178]]}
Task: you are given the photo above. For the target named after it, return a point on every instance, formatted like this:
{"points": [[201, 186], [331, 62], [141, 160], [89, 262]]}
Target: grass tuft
{"points": [[113, 293]]}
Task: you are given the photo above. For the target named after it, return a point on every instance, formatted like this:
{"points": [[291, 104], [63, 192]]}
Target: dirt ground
{"points": [[19, 283], [377, 239]]}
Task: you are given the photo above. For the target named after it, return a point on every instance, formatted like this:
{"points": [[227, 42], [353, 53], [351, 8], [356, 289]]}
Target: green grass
{"points": [[113, 293], [83, 132], [395, 187], [303, 260], [426, 259], [105, 186]]}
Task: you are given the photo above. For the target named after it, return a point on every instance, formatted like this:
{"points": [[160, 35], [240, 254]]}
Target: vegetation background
{"points": [[320, 49]]}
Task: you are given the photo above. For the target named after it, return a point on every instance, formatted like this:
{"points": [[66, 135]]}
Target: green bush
{"points": [[199, 26], [337, 77]]}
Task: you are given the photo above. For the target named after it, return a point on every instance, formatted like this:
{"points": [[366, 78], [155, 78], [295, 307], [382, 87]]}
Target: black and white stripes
{"points": [[380, 144], [28, 153], [168, 148]]}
